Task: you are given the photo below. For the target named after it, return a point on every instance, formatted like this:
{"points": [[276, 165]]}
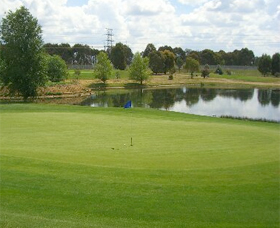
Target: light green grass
{"points": [[89, 74], [70, 166]]}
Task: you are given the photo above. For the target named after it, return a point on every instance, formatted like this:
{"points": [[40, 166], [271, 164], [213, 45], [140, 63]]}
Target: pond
{"points": [[244, 103]]}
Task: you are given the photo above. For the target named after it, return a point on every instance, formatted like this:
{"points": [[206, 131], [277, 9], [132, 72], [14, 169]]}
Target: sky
{"points": [[190, 24]]}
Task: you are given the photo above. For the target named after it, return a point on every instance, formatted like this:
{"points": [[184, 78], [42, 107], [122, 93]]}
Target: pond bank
{"points": [[82, 88]]}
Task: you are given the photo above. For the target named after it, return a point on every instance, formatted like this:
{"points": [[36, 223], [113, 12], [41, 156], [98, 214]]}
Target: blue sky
{"points": [[214, 24]]}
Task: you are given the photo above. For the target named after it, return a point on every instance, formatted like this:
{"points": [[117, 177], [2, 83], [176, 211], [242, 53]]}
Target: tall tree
{"points": [[118, 57], [103, 68], [192, 65], [179, 63], [149, 49], [169, 60], [265, 65], [22, 53], [180, 53], [156, 62], [128, 54], [275, 64], [82, 54], [246, 57], [169, 48], [209, 57], [138, 69]]}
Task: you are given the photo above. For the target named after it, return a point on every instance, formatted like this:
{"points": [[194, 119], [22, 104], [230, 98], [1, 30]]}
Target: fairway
{"points": [[71, 166]]}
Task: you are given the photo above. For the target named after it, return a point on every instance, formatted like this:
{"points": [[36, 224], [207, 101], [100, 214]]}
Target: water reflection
{"points": [[251, 103]]}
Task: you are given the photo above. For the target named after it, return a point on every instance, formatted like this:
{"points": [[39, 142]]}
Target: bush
{"points": [[56, 68], [219, 70]]}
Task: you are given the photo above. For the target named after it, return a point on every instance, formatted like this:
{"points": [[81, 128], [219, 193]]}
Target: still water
{"points": [[250, 103]]}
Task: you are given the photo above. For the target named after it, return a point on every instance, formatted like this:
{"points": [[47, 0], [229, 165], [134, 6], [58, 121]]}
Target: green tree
{"points": [[118, 56], [265, 64], [169, 60], [156, 62], [128, 55], [246, 57], [192, 65], [56, 68], [210, 57], [179, 62], [149, 49], [103, 68], [275, 64], [22, 53], [180, 53], [138, 69]]}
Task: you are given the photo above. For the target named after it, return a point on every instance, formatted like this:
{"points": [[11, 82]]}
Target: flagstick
{"points": [[131, 128]]}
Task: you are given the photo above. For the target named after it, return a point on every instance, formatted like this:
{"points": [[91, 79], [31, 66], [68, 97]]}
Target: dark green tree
{"points": [[179, 53], [179, 62], [169, 60], [138, 69], [156, 62], [56, 68], [128, 55], [22, 53], [208, 56], [219, 70], [118, 57], [82, 54], [149, 49], [275, 64], [265, 65], [64, 50], [166, 47]]}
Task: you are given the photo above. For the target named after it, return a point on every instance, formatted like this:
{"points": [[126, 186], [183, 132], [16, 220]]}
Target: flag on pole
{"points": [[128, 104]]}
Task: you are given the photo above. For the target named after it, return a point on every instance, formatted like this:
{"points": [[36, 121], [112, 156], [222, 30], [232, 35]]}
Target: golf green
{"points": [[71, 166]]}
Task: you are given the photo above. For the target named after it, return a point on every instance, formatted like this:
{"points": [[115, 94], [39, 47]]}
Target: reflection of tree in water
{"points": [[163, 98], [103, 99], [208, 94], [241, 94], [192, 96], [275, 98], [264, 96]]}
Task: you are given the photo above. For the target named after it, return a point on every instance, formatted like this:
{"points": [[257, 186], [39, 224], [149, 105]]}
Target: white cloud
{"points": [[192, 2], [200, 24]]}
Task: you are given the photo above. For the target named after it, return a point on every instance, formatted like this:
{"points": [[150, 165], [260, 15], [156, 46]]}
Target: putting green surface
{"points": [[70, 166]]}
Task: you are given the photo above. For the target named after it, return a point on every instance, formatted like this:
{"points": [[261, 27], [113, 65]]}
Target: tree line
{"points": [[165, 58]]}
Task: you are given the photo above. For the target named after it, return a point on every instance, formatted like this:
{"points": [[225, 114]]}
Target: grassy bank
{"points": [[70, 166], [238, 78]]}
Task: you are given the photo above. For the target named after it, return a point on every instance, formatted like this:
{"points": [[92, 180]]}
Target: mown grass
{"points": [[70, 166], [89, 74], [180, 78]]}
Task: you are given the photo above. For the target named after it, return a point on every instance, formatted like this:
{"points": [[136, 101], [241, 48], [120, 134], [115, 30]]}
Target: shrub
{"points": [[56, 68], [219, 70]]}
